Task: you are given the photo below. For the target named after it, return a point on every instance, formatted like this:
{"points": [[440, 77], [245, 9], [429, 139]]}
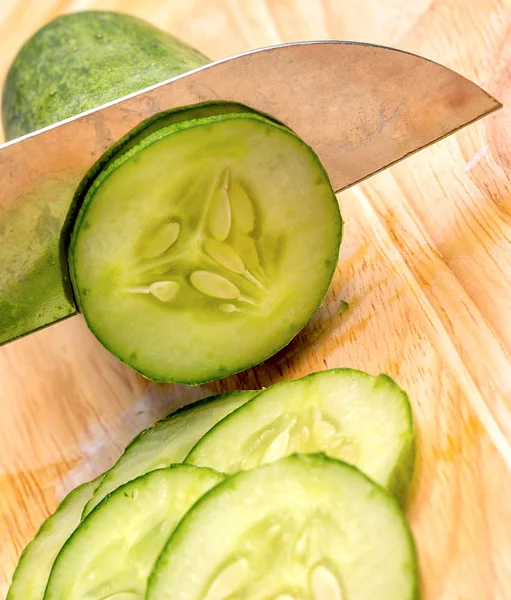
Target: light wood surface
{"points": [[425, 267]]}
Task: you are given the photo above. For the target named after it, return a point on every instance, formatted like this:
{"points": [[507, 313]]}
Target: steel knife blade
{"points": [[361, 107]]}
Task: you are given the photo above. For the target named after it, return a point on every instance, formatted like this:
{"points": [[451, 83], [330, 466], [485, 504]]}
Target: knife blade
{"points": [[361, 107]]}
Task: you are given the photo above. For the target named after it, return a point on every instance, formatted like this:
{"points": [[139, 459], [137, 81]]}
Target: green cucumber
{"points": [[112, 552], [205, 235], [348, 414], [199, 230], [168, 441], [302, 527], [75, 63], [31, 575], [82, 60]]}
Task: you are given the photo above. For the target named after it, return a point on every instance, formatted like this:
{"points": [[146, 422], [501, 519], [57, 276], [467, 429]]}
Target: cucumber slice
{"points": [[304, 527], [168, 441], [112, 552], [31, 575], [208, 234], [349, 415]]}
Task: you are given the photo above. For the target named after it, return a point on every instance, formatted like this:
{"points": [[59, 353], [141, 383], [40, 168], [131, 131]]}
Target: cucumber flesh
{"points": [[347, 414], [304, 527], [168, 441], [112, 552], [151, 125], [207, 234], [31, 575]]}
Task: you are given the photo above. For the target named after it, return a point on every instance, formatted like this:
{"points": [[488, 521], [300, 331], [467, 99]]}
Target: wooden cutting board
{"points": [[425, 267]]}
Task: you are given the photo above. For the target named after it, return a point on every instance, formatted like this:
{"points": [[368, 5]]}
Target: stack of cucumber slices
{"points": [[294, 492]]}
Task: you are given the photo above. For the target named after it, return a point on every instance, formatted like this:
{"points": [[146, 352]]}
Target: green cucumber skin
{"points": [[400, 481], [80, 61]]}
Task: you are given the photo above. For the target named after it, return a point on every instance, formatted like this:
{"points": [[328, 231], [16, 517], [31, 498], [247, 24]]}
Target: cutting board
{"points": [[422, 292]]}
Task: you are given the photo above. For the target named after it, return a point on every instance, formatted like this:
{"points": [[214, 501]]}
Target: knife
{"points": [[361, 108]]}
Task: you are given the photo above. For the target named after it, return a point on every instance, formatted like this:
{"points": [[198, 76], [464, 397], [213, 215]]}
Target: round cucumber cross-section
{"points": [[347, 414], [111, 553], [205, 247], [303, 528]]}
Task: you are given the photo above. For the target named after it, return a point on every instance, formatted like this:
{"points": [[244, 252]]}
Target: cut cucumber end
{"points": [[205, 235], [347, 414], [302, 527]]}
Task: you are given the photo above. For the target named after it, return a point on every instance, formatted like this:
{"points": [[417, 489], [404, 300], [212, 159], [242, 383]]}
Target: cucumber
{"points": [[347, 414], [302, 527], [205, 235], [235, 244], [168, 441], [31, 575], [82, 60], [112, 552]]}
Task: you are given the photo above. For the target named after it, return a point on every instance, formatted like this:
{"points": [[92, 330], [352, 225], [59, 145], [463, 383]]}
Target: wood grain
{"points": [[425, 267]]}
